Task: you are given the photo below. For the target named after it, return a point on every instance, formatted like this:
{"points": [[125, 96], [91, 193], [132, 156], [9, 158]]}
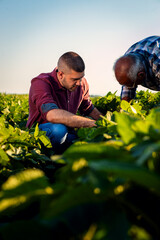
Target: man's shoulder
{"points": [[148, 39], [42, 76], [84, 81], [45, 77], [84, 84], [145, 44]]}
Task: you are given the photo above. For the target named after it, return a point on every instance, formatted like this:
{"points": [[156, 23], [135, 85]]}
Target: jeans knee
{"points": [[59, 129], [56, 132], [59, 133]]}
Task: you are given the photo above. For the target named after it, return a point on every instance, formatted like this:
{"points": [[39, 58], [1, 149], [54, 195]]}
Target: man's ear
{"points": [[141, 75], [60, 75]]}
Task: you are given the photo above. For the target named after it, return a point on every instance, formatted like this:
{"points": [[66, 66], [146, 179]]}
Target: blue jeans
{"points": [[60, 136]]}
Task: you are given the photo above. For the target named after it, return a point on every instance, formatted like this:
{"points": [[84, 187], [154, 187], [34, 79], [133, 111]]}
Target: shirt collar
{"points": [[146, 66], [53, 74]]}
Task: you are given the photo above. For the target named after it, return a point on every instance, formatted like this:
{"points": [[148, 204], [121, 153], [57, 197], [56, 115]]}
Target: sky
{"points": [[35, 33]]}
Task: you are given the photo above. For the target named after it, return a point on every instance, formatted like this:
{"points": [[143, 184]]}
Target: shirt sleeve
{"points": [[86, 105], [126, 92], [42, 97]]}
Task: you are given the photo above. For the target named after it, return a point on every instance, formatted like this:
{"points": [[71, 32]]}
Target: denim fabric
{"points": [[48, 106], [60, 135]]}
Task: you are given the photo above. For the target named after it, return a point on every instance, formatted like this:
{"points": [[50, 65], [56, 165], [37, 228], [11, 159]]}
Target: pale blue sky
{"points": [[35, 33]]}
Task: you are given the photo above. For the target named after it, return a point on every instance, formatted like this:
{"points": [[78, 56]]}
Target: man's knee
{"points": [[59, 129], [56, 132], [59, 133]]}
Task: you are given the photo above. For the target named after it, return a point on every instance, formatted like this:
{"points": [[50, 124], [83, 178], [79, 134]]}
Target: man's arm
{"points": [[95, 114], [69, 119], [128, 99], [128, 93]]}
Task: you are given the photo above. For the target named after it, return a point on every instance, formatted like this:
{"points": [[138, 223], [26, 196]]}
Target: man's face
{"points": [[124, 80], [71, 79]]}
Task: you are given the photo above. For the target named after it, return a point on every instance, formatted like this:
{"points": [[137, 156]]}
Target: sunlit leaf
{"points": [[130, 172], [4, 159], [124, 127], [20, 188]]}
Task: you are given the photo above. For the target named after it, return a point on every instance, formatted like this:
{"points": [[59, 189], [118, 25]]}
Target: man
{"points": [[55, 98], [140, 65]]}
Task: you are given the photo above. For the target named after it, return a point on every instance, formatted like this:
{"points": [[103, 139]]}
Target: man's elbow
{"points": [[50, 115]]}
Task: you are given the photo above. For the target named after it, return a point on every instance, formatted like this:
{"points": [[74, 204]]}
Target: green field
{"points": [[106, 186]]}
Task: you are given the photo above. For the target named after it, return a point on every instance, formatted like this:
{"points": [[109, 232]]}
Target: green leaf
{"points": [[128, 171], [46, 141], [154, 117], [125, 105], [36, 132], [124, 127], [22, 177], [90, 151], [4, 159], [71, 198], [133, 109], [91, 134], [141, 126], [22, 187], [147, 153], [4, 135]]}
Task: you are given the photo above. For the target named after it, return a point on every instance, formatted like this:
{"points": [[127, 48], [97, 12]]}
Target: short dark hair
{"points": [[72, 61]]}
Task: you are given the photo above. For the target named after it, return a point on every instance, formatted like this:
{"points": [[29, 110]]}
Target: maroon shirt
{"points": [[47, 93]]}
